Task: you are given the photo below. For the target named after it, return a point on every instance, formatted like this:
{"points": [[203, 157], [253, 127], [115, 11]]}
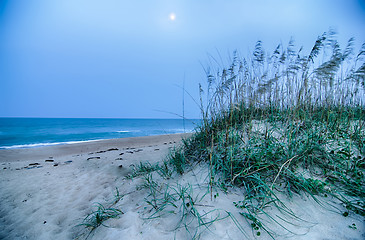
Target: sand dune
{"points": [[45, 193]]}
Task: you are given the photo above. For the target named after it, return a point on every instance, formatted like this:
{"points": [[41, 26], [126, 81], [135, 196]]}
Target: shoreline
{"points": [[48, 144], [22, 154]]}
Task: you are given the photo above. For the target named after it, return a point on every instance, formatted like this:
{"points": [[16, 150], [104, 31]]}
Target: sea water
{"points": [[35, 132]]}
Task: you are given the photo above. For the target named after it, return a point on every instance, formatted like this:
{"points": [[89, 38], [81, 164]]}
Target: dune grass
{"points": [[284, 123], [274, 126], [98, 216]]}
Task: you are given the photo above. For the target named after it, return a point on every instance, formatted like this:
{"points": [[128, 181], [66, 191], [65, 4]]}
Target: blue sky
{"points": [[128, 59]]}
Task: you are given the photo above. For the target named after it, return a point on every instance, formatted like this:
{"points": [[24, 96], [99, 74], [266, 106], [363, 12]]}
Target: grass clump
{"points": [[182, 201], [142, 168], [101, 213], [98, 216], [284, 123]]}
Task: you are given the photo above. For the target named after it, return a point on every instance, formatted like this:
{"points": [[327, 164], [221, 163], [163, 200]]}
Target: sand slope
{"points": [[46, 192]]}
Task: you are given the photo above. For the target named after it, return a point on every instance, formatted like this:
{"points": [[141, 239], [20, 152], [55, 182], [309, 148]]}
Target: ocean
{"points": [[36, 132]]}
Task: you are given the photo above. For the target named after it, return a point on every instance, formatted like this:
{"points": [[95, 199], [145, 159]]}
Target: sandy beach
{"points": [[46, 193]]}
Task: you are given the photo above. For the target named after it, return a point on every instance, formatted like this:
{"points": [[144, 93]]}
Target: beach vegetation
{"points": [[117, 196], [185, 203], [274, 126], [98, 216], [101, 213], [164, 170], [281, 124], [143, 168]]}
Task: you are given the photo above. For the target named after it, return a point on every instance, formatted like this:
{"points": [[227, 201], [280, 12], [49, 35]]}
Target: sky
{"points": [[132, 59]]}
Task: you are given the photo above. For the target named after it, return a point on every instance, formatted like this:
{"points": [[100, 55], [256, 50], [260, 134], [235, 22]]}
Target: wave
{"points": [[128, 131], [33, 145]]}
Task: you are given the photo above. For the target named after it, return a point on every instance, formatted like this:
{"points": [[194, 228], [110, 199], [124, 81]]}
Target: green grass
{"points": [[101, 213], [98, 216], [274, 126], [142, 168], [284, 123], [183, 202]]}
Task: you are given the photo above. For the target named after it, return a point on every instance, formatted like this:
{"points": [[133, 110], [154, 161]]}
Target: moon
{"points": [[172, 16]]}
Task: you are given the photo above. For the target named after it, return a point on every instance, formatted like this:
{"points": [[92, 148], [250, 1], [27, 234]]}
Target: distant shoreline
{"points": [[49, 144], [15, 154]]}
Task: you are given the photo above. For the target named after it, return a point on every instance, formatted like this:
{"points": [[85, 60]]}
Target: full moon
{"points": [[172, 16]]}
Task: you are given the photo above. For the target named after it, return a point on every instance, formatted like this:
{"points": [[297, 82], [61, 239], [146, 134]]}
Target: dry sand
{"points": [[45, 193]]}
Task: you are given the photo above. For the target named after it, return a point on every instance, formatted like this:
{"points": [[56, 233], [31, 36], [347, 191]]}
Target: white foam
{"points": [[45, 144], [128, 131]]}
